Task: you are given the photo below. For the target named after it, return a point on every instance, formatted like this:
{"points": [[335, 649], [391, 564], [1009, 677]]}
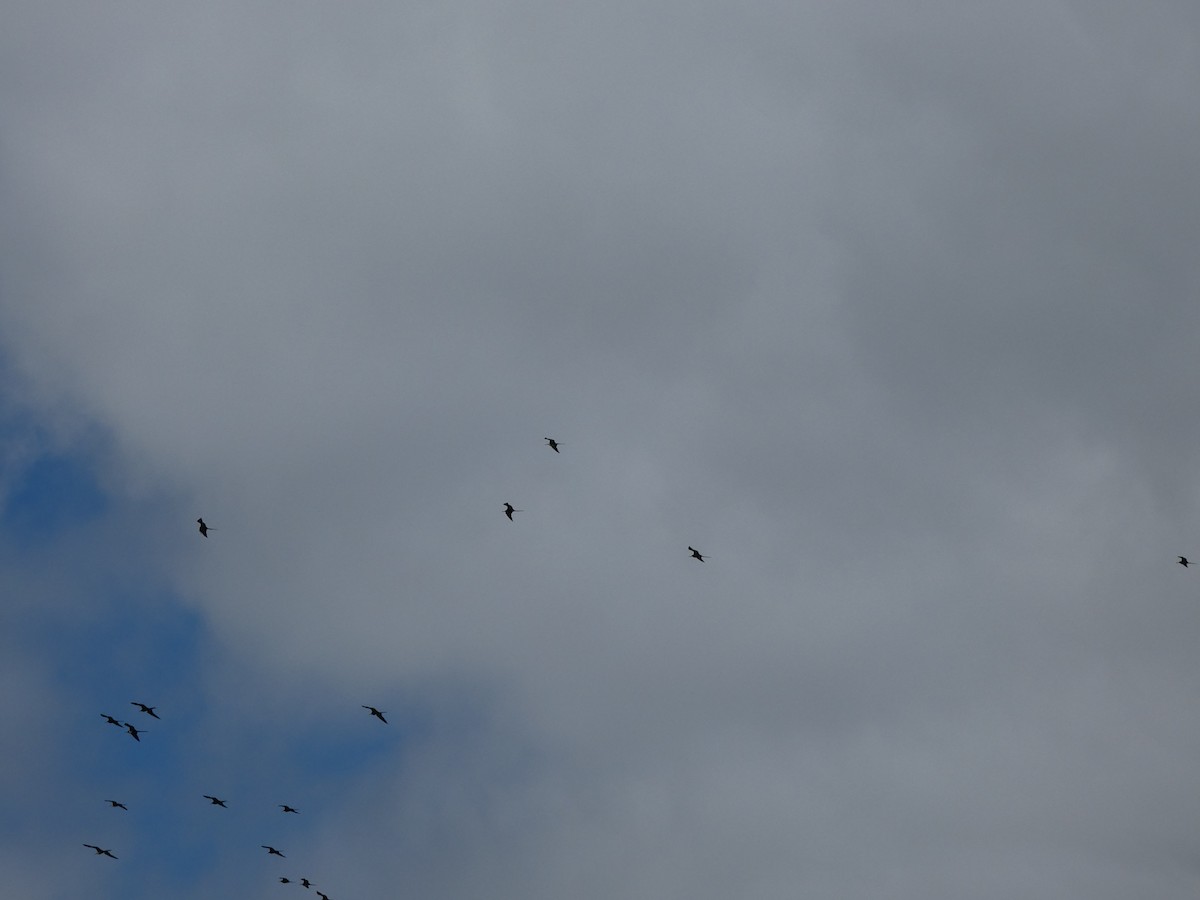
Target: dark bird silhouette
{"points": [[148, 710], [203, 527], [306, 882], [111, 721], [100, 851], [553, 444], [214, 800], [376, 713], [134, 732], [117, 805], [1184, 561], [271, 851], [696, 554], [288, 809], [283, 880], [322, 896], [508, 511]]}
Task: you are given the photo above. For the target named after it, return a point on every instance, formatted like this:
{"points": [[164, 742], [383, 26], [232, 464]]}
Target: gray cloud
{"points": [[888, 310]]}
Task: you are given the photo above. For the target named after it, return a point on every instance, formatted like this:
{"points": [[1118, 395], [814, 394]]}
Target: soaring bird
{"points": [[271, 851], [1184, 561], [322, 896], [553, 444], [116, 805], [376, 713], [100, 851], [508, 511], [134, 732], [696, 554], [306, 882], [111, 721], [149, 710], [214, 800], [203, 527], [288, 809], [284, 880]]}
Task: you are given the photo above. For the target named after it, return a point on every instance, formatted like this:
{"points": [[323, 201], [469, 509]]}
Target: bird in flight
{"points": [[203, 528], [306, 882], [508, 511], [149, 710], [116, 805], [322, 896], [271, 851], [377, 714], [134, 732], [696, 554], [100, 851], [284, 880], [552, 444], [288, 809], [111, 720], [215, 801], [1184, 561]]}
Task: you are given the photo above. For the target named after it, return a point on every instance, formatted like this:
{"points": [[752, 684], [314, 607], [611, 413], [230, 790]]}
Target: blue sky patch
{"points": [[53, 494]]}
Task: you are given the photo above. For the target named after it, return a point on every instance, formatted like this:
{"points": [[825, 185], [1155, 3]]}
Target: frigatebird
{"points": [[271, 851], [288, 809], [203, 528], [111, 720], [508, 511], [553, 444], [100, 851], [1184, 561], [377, 714], [134, 732], [149, 710], [116, 805], [696, 554], [214, 800]]}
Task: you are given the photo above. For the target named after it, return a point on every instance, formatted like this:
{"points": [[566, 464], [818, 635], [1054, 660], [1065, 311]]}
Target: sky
{"points": [[888, 309]]}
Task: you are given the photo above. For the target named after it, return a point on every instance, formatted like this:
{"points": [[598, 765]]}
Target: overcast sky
{"points": [[888, 308]]}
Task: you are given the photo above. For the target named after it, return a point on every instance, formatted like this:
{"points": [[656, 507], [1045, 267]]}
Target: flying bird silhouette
{"points": [[149, 710], [134, 732], [288, 809], [377, 714], [306, 882], [203, 527], [508, 511], [696, 554], [111, 720], [553, 444], [100, 851], [116, 805], [1184, 561], [214, 800], [322, 896], [271, 851], [283, 880]]}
